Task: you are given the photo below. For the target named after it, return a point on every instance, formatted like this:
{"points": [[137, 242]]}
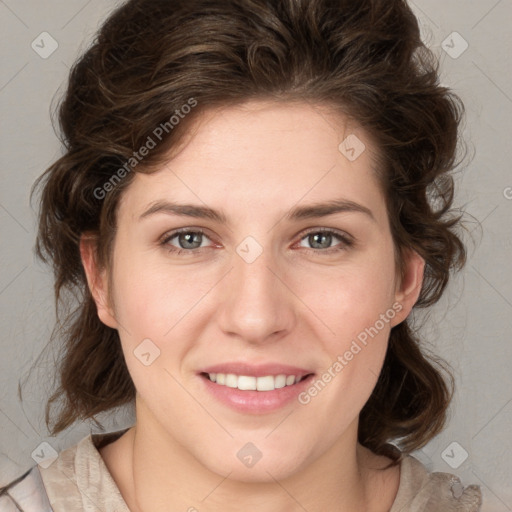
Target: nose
{"points": [[257, 303]]}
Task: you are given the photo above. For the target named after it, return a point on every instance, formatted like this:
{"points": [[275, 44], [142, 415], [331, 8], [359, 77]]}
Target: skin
{"points": [[295, 304]]}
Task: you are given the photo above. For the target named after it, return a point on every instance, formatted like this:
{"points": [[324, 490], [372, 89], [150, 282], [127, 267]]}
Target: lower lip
{"points": [[256, 402]]}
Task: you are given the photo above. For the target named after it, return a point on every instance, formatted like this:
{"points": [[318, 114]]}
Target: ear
{"points": [[97, 280], [408, 290]]}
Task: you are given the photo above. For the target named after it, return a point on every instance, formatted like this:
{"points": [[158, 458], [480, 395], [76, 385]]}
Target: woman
{"points": [[254, 197]]}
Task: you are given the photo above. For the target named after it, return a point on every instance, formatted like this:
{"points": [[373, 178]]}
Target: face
{"points": [[287, 307]]}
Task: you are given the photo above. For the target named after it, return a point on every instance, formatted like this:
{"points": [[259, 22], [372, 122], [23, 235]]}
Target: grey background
{"points": [[470, 328]]}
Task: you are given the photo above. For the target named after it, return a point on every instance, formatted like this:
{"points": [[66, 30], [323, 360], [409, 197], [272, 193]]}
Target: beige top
{"points": [[78, 480]]}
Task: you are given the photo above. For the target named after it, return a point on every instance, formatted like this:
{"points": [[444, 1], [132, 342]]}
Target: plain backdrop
{"points": [[470, 327]]}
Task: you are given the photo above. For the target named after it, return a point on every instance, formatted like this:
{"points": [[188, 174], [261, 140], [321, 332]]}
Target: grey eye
{"points": [[190, 239]]}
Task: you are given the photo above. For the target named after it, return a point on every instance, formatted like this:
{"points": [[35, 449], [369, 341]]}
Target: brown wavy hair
{"points": [[149, 59]]}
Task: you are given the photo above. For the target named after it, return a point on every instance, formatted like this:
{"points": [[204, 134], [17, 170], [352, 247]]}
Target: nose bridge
{"points": [[257, 304]]}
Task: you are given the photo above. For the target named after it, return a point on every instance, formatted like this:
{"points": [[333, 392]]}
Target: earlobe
{"points": [[409, 288], [97, 280]]}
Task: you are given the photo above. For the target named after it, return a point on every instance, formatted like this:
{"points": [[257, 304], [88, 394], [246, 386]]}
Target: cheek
{"points": [[355, 358], [152, 299], [357, 307], [352, 299]]}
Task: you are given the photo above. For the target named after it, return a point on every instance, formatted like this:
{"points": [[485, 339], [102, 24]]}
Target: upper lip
{"points": [[260, 370]]}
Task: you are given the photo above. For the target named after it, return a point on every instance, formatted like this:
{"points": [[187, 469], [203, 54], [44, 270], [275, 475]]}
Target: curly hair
{"points": [[149, 59]]}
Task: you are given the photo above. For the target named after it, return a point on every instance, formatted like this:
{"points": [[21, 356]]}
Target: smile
{"points": [[252, 383]]}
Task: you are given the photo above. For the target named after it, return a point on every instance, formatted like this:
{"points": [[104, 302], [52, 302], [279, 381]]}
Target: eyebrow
{"points": [[311, 211]]}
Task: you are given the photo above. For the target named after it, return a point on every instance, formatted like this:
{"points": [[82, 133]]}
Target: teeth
{"points": [[267, 383], [249, 383], [280, 381], [231, 380]]}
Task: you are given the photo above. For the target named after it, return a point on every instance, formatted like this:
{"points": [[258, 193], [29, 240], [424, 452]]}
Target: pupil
{"points": [[189, 239], [316, 236]]}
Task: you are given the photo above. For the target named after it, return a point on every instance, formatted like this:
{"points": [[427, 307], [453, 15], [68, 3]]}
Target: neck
{"points": [[337, 480]]}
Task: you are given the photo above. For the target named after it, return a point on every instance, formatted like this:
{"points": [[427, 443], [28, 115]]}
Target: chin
{"points": [[262, 472], [256, 462]]}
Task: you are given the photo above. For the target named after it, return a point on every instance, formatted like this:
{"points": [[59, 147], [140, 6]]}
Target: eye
{"points": [[321, 239], [189, 240]]}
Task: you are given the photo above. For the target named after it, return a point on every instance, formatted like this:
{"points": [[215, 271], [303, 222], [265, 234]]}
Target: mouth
{"points": [[255, 390], [253, 383]]}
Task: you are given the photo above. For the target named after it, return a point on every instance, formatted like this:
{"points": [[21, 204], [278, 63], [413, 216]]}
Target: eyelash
{"points": [[346, 242]]}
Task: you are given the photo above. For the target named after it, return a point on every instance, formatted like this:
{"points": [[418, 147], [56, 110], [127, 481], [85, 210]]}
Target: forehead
{"points": [[265, 154]]}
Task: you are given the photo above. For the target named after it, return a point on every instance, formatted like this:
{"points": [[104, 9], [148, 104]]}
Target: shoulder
{"points": [[422, 491], [27, 493], [79, 477], [74, 480]]}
